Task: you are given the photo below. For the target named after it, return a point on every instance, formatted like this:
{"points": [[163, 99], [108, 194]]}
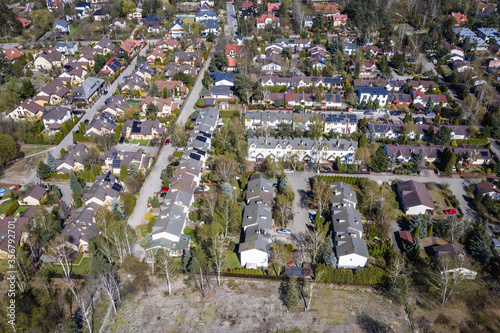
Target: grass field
{"points": [[233, 260], [4, 205], [74, 29], [33, 149], [142, 143], [21, 209]]}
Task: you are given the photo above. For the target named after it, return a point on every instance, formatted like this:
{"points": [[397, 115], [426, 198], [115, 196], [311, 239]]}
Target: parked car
{"points": [[122, 139], [450, 211], [368, 112], [167, 141], [430, 114], [284, 231], [180, 149], [288, 171], [174, 164], [165, 189]]}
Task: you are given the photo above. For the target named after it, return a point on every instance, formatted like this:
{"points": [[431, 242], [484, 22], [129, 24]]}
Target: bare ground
{"points": [[241, 305], [18, 172]]}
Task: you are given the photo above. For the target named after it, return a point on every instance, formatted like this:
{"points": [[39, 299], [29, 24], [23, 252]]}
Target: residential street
{"points": [[152, 183], [231, 16], [299, 181]]}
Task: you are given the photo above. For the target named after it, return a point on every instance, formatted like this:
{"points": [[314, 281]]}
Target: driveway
{"points": [[134, 147], [152, 183], [66, 192], [299, 182], [231, 17]]}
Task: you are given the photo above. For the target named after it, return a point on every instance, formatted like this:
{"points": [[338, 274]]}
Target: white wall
{"points": [[351, 261], [254, 256]]}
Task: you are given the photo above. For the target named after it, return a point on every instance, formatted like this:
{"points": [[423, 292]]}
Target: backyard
{"points": [[142, 143], [77, 269]]}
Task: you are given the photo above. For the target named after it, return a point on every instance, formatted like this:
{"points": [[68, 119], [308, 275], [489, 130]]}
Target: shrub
{"points": [[151, 224], [177, 153], [12, 208]]}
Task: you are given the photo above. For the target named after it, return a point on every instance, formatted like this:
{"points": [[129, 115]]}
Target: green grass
{"points": [[229, 114], [4, 205], [33, 149], [142, 143], [178, 153], [74, 29], [83, 268], [233, 260], [21, 209]]}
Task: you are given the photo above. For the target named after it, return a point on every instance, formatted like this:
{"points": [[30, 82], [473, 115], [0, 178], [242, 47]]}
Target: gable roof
{"points": [[36, 192], [61, 23], [12, 54], [106, 43], [88, 88], [415, 194]]}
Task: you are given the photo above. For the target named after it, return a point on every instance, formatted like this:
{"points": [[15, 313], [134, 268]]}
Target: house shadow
{"points": [[370, 325]]}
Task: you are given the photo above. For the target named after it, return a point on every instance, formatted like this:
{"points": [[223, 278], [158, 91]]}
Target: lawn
{"points": [[133, 103], [4, 205], [74, 29], [142, 143], [83, 268], [233, 260], [33, 149], [21, 209]]}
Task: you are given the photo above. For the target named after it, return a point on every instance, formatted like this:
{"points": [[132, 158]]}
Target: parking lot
{"points": [[299, 182]]}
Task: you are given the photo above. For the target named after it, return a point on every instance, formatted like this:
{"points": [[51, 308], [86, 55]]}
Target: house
{"points": [[267, 20], [133, 82], [87, 56], [55, 117], [50, 58], [218, 92], [188, 58], [211, 26], [273, 7], [339, 20], [168, 43], [35, 195], [246, 5], [415, 198], [487, 188], [405, 238], [308, 22], [102, 123], [111, 66], [165, 105], [83, 9], [119, 23], [255, 250], [343, 123], [233, 50], [223, 79], [129, 46], [487, 33], [106, 188], [174, 86], [113, 159], [13, 54], [328, 9], [153, 27], [142, 130], [369, 66], [463, 33], [105, 46], [88, 88], [257, 213], [205, 16], [54, 92], [61, 26], [232, 64], [81, 228], [306, 150], [459, 18], [176, 30], [344, 196], [73, 160], [115, 106], [156, 55], [101, 14], [12, 233], [73, 71], [25, 23], [367, 94], [66, 48], [27, 110]]}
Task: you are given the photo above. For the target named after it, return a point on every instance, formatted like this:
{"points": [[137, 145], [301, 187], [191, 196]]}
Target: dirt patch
{"points": [[253, 306], [19, 172]]}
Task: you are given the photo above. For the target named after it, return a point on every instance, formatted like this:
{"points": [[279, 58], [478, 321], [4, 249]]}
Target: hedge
{"points": [[178, 153], [348, 180], [59, 175], [245, 271], [12, 208], [372, 276]]}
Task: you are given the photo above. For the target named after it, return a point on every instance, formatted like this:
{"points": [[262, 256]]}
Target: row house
{"points": [[405, 153], [371, 94], [395, 130], [173, 86], [269, 119], [171, 69], [342, 123], [306, 150], [302, 81]]}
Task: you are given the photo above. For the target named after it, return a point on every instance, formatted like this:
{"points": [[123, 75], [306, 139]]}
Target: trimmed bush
{"points": [[345, 179], [362, 276], [12, 208]]}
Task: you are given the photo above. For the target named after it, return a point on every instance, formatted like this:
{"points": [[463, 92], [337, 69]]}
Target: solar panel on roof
{"points": [[117, 187], [114, 154], [116, 163], [136, 127]]}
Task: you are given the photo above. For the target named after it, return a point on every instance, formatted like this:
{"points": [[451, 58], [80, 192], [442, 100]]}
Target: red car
{"points": [[450, 211], [165, 189], [167, 141]]}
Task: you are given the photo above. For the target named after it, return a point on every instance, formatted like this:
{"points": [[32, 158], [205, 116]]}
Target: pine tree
{"points": [[331, 259], [43, 170], [186, 259], [362, 141], [154, 90], [289, 293], [283, 186], [227, 189], [379, 161], [117, 209], [74, 184], [51, 162], [123, 172]]}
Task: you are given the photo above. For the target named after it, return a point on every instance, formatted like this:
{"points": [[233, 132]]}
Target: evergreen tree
{"points": [[325, 249], [75, 185], [429, 106], [362, 141], [227, 189], [123, 172], [154, 90], [28, 89], [186, 259], [51, 162], [117, 209], [331, 259], [283, 186], [448, 160], [443, 136], [379, 161], [43, 170], [289, 293]]}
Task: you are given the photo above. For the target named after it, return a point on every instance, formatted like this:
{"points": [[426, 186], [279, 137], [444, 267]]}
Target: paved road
{"points": [[152, 183], [231, 15], [299, 182], [89, 114], [430, 67]]}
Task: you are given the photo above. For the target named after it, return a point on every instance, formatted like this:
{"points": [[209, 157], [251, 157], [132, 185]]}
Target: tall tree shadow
{"points": [[370, 325]]}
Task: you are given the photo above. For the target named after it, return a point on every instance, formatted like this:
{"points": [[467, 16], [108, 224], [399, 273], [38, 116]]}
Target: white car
{"points": [[284, 231], [288, 171]]}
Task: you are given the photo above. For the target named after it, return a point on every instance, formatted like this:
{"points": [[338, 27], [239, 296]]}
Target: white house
{"points": [[340, 123], [205, 15], [66, 48], [304, 149], [255, 251], [352, 251], [177, 30], [61, 26], [267, 20], [415, 197], [55, 117], [366, 94]]}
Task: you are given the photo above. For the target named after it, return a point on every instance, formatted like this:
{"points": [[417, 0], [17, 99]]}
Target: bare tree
{"points": [[106, 276], [311, 289], [396, 269], [315, 239], [450, 275], [167, 267], [209, 202], [279, 256], [434, 6], [299, 14], [322, 195], [217, 250], [458, 228], [225, 168], [22, 266]]}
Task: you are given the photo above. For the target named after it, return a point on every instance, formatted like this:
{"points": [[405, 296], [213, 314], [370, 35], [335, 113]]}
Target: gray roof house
{"points": [[343, 195], [73, 160], [255, 250], [88, 88], [106, 188], [80, 229], [258, 214]]}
